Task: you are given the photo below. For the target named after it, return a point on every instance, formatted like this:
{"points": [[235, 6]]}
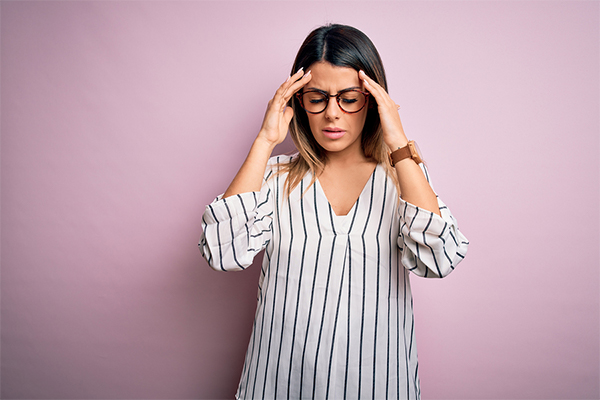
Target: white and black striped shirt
{"points": [[334, 316]]}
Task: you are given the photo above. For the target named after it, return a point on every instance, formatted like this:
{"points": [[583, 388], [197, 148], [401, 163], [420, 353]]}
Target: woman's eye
{"points": [[349, 101], [316, 101]]}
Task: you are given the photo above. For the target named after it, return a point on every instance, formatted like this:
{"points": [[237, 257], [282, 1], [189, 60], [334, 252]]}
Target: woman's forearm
{"points": [[273, 131], [414, 187], [250, 176]]}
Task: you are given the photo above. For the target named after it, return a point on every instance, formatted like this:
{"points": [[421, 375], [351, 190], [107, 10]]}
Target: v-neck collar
{"points": [[341, 221]]}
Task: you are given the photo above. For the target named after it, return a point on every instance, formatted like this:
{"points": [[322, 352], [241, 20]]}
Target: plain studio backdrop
{"points": [[121, 120]]}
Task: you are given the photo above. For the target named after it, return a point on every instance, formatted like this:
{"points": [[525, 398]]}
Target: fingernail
{"points": [[308, 73], [300, 69]]}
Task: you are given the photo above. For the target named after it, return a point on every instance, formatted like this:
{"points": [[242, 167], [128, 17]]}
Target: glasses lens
{"points": [[314, 102], [352, 101]]}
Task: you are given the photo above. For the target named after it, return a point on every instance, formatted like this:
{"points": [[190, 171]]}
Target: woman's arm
{"points": [[235, 229], [237, 225], [431, 246], [414, 187], [273, 131]]}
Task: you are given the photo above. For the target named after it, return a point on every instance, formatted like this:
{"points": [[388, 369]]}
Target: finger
{"points": [[367, 80], [299, 83], [288, 88], [287, 115], [298, 74], [371, 85], [296, 86], [295, 78], [279, 100], [288, 82], [379, 93]]}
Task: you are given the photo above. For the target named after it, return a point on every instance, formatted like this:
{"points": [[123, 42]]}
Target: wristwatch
{"points": [[408, 151]]}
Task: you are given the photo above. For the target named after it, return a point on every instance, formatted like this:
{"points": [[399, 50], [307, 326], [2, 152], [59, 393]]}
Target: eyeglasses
{"points": [[350, 101]]}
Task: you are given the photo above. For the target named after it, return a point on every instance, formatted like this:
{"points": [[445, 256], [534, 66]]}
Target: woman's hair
{"points": [[341, 46]]}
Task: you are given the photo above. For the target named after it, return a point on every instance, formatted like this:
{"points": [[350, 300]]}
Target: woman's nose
{"points": [[333, 110]]}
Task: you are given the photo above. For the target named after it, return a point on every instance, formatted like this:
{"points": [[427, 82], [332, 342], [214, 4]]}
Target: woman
{"points": [[341, 228]]}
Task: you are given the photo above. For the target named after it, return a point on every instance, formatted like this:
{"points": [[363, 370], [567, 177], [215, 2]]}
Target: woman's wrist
{"points": [[249, 177], [397, 143], [264, 143], [395, 138]]}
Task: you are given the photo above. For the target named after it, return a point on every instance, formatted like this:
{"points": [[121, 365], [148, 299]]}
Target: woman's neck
{"points": [[351, 156]]}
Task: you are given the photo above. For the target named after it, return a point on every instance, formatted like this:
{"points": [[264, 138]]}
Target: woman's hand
{"points": [[393, 133], [414, 187], [278, 115], [274, 129]]}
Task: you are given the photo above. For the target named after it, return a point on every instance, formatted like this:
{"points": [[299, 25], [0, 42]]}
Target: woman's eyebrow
{"points": [[321, 90]]}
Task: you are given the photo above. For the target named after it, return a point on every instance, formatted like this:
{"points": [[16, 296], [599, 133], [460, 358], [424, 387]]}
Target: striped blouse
{"points": [[334, 317]]}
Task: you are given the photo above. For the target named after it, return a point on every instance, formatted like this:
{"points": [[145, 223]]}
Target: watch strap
{"points": [[400, 154]]}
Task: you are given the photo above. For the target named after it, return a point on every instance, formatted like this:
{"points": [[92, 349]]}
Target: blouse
{"points": [[334, 317]]}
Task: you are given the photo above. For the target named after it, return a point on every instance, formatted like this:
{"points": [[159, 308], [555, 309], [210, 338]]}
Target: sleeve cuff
{"points": [[222, 209], [421, 220]]}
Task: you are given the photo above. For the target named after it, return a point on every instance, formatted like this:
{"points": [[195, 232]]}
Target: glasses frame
{"points": [[337, 99]]}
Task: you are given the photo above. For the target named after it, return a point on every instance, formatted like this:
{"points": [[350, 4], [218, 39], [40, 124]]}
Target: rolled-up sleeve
{"points": [[431, 245], [236, 228]]}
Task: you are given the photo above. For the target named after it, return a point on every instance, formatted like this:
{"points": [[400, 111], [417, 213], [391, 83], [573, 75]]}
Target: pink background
{"points": [[121, 120]]}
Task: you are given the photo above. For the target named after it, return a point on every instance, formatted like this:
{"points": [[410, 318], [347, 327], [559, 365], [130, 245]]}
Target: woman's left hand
{"points": [[414, 187], [393, 133]]}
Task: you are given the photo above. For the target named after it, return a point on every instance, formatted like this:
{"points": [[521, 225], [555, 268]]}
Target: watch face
{"points": [[415, 152]]}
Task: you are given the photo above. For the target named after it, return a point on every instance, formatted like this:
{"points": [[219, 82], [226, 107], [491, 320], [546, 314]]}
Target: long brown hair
{"points": [[341, 46]]}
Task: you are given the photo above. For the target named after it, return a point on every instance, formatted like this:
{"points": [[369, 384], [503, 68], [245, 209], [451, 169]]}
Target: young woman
{"points": [[342, 223]]}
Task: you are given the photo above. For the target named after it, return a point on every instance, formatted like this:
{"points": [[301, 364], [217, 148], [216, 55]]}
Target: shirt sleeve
{"points": [[236, 228], [432, 246]]}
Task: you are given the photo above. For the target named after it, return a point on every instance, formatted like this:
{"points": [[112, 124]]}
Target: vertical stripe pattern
{"points": [[334, 317]]}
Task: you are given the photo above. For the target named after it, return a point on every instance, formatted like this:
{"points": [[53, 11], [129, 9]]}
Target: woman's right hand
{"points": [[274, 129], [278, 115]]}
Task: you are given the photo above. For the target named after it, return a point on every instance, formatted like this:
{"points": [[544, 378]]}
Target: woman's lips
{"points": [[334, 133]]}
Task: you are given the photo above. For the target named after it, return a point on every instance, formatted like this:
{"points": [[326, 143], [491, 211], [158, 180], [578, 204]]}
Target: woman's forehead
{"points": [[331, 78]]}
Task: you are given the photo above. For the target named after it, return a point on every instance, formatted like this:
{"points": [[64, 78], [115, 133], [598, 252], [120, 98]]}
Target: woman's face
{"points": [[333, 129]]}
